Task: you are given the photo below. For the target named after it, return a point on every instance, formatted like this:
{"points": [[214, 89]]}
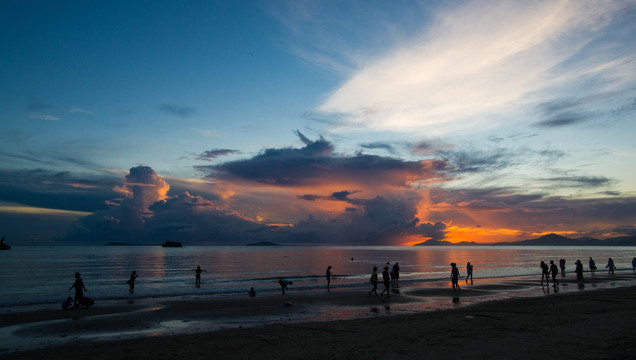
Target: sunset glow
{"points": [[317, 122]]}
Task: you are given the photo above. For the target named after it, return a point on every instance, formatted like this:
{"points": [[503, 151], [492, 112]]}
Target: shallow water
{"points": [[43, 275]]}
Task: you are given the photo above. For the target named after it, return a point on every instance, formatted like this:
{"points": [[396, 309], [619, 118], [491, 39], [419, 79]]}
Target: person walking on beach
{"points": [[610, 266], [197, 276], [283, 284], [396, 275], [328, 275], [386, 279], [454, 277], [79, 289], [554, 270], [251, 293], [562, 266], [634, 265], [131, 282], [579, 270], [592, 265], [374, 281], [545, 271], [469, 273]]}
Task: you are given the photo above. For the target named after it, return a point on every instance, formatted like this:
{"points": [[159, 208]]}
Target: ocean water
{"points": [[43, 275]]}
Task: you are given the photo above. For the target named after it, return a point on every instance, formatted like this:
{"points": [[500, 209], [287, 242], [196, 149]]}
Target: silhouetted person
{"points": [[562, 266], [545, 271], [454, 277], [283, 284], [374, 281], [579, 270], [554, 271], [131, 282], [328, 275], [469, 272], [396, 275], [79, 289], [251, 293], [610, 266], [386, 279], [197, 276], [592, 265], [634, 265]]}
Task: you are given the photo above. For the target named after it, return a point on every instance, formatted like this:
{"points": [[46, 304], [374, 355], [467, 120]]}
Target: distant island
{"points": [[263, 243], [545, 240], [171, 244]]}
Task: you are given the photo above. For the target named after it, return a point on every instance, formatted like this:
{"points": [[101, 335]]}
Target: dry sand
{"points": [[594, 324]]}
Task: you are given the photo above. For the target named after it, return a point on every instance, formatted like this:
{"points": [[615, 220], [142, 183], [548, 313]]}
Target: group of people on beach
{"points": [[455, 275], [553, 270], [389, 279]]}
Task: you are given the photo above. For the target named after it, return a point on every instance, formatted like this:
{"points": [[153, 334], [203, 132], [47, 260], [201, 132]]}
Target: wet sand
{"points": [[593, 321]]}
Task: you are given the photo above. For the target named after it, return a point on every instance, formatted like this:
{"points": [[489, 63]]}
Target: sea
{"points": [[42, 275]]}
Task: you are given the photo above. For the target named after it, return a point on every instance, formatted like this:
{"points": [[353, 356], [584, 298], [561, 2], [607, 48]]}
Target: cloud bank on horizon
{"points": [[460, 121]]}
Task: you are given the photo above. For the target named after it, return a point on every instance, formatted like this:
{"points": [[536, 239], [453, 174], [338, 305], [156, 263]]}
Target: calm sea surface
{"points": [[43, 275]]}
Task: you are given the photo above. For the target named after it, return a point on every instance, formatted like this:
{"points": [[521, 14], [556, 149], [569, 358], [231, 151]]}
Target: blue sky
{"points": [[306, 121]]}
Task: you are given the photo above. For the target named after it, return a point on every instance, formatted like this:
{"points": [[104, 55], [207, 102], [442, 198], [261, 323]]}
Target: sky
{"points": [[316, 122]]}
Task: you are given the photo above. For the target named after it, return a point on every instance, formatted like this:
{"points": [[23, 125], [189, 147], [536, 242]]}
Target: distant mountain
{"points": [[263, 243], [558, 240], [545, 240], [446, 243]]}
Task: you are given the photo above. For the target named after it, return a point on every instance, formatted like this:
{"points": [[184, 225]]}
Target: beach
{"points": [[510, 319]]}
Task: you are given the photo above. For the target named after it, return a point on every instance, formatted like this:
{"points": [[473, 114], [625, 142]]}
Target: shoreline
{"points": [[141, 325]]}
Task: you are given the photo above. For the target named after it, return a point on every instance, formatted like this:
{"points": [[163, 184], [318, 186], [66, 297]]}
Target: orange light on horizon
{"points": [[480, 235]]}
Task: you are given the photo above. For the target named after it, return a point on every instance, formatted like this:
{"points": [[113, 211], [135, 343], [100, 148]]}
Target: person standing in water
{"points": [[131, 282], [610, 266], [592, 265], [455, 277], [374, 281], [79, 289], [469, 273], [328, 275], [386, 279], [197, 276], [545, 272], [554, 270], [579, 270], [396, 275]]}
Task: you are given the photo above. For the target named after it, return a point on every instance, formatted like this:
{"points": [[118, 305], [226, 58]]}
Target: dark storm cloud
{"points": [[56, 190], [209, 155], [291, 166], [177, 110], [382, 220]]}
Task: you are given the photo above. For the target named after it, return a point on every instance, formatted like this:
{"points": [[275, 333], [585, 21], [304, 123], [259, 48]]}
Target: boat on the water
{"points": [[172, 244], [4, 245]]}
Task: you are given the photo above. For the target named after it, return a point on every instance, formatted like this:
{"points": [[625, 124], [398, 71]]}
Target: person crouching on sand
{"points": [[283, 284], [455, 277]]}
